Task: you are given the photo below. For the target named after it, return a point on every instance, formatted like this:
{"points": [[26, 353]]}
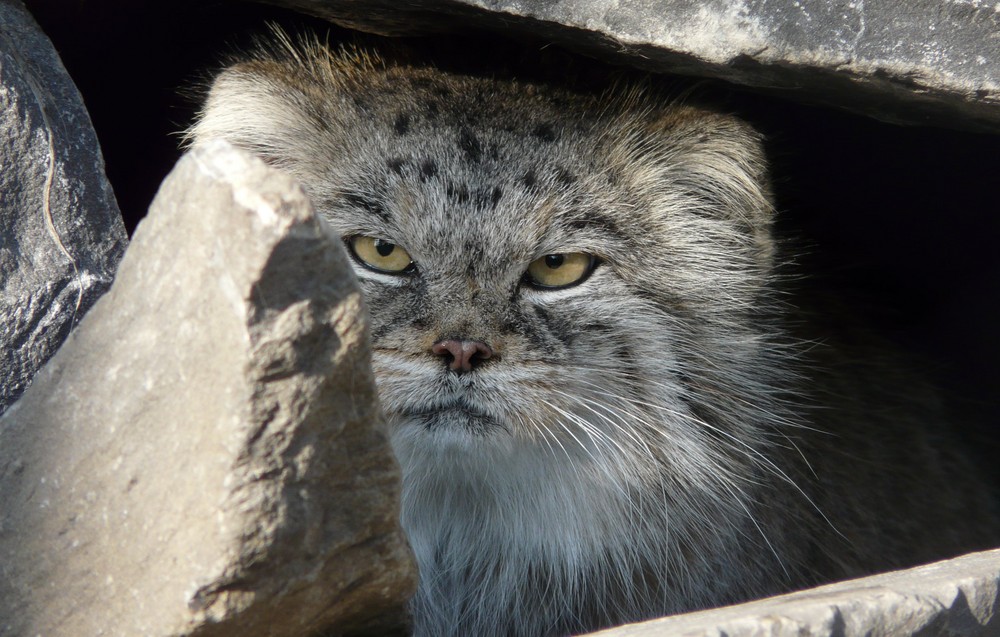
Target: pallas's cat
{"points": [[582, 351]]}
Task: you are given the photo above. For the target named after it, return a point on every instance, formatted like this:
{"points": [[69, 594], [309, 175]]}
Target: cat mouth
{"points": [[457, 415]]}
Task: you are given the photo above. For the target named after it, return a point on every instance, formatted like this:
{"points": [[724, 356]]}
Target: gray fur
{"points": [[650, 441]]}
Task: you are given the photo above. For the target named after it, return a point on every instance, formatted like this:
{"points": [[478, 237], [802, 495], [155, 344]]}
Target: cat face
{"points": [[473, 183]]}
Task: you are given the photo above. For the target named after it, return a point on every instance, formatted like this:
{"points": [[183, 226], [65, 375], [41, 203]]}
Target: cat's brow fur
{"points": [[650, 441]]}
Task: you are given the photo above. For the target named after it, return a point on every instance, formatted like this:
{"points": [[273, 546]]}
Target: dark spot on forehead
{"points": [[432, 109], [458, 192], [474, 252], [443, 91], [428, 169], [366, 203], [564, 176], [421, 82], [469, 144], [488, 197], [597, 222], [545, 132], [495, 196], [530, 179], [402, 124], [360, 103], [396, 164]]}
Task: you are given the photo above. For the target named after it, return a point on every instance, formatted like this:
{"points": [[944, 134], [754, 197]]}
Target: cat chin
{"points": [[461, 429], [463, 419]]}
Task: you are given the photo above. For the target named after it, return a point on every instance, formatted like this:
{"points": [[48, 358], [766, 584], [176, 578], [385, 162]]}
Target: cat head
{"points": [[575, 274]]}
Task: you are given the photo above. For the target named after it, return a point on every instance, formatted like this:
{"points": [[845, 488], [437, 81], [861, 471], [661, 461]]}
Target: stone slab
{"points": [[904, 61], [954, 598]]}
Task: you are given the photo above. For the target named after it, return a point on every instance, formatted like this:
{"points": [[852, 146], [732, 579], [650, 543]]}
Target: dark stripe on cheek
{"points": [[559, 328]]}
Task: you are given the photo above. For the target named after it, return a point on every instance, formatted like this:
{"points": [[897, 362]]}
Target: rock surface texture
{"points": [[906, 61], [205, 454], [61, 234], [955, 598]]}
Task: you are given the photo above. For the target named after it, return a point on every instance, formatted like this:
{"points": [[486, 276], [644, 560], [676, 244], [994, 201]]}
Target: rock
{"points": [[954, 598], [904, 61], [205, 454], [61, 234]]}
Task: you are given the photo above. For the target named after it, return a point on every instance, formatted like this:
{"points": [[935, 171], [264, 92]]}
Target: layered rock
{"points": [[205, 455], [61, 234], [955, 598], [905, 61]]}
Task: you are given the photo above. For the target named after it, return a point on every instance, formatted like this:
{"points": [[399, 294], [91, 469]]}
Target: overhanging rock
{"points": [[905, 61], [205, 454]]}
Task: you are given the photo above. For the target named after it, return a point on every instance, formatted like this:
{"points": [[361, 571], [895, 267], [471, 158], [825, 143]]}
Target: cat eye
{"points": [[380, 255], [560, 270]]}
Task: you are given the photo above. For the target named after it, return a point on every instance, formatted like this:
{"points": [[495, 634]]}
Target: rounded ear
{"points": [[274, 103], [706, 164], [253, 106]]}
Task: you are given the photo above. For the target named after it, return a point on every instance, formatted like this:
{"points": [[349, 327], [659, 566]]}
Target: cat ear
{"points": [[283, 102], [711, 165], [252, 106]]}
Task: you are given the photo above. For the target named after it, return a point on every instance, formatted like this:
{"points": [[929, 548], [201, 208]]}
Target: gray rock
{"points": [[61, 234], [955, 598], [905, 61], [205, 454]]}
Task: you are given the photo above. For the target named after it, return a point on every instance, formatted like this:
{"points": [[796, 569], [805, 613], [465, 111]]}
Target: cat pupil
{"points": [[554, 260], [383, 247]]}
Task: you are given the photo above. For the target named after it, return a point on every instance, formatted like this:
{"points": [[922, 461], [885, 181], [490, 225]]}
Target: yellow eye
{"points": [[380, 255], [560, 270]]}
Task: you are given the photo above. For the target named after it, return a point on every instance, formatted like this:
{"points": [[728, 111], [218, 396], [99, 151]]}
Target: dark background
{"points": [[902, 222]]}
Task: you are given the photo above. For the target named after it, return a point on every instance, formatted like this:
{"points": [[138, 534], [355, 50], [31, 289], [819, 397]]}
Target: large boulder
{"points": [[61, 234], [205, 455], [906, 61]]}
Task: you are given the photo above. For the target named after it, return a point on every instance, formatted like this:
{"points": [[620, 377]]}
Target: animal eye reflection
{"points": [[380, 255], [554, 271]]}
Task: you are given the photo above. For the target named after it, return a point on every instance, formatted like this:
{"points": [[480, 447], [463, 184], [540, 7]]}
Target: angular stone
{"points": [[954, 598], [61, 234], [205, 454], [905, 61]]}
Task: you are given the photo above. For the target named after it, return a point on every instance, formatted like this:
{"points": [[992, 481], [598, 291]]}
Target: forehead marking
{"points": [[402, 124], [469, 144], [363, 202]]}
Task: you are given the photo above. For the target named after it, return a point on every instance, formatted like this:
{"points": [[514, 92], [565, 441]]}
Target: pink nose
{"points": [[462, 356]]}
